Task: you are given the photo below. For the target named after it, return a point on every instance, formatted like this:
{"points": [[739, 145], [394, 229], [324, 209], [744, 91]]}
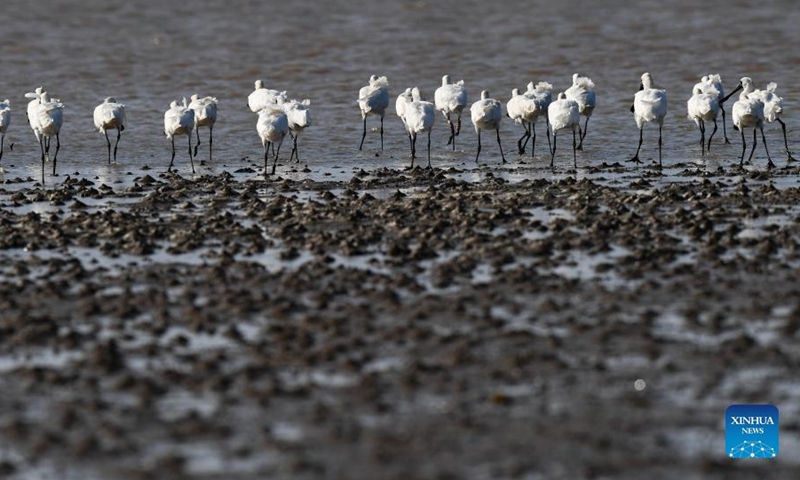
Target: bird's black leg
{"points": [[189, 138], [533, 139], [275, 160], [724, 129], [755, 142], [458, 126], [789, 157], [479, 147], [266, 158], [413, 148], [702, 126], [744, 147], [553, 151], [583, 133], [197, 145], [41, 147], [381, 133], [764, 139], [429, 148], [500, 145], [172, 160], [712, 136], [574, 148], [635, 158], [108, 144], [55, 157], [659, 145], [452, 138], [363, 135], [210, 142], [119, 135]]}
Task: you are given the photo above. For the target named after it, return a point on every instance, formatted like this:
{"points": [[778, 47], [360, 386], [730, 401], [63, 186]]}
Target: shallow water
{"points": [[148, 53]]}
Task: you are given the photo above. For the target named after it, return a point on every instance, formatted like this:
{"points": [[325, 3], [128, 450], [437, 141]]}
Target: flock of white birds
{"points": [[278, 116]]}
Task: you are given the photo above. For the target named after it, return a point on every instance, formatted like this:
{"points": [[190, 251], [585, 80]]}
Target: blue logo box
{"points": [[751, 431]]}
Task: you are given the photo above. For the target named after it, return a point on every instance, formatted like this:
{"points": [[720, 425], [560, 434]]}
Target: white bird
{"points": [[451, 98], [401, 104], [703, 106], [419, 117], [713, 83], [5, 121], [179, 120], [205, 115], [582, 91], [486, 115], [110, 115], [542, 95], [47, 119], [272, 127], [299, 117], [261, 97], [748, 112], [373, 100], [773, 107], [564, 114], [649, 105], [31, 109]]}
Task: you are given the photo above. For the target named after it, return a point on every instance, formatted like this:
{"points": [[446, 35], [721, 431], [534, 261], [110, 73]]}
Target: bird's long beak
{"points": [[738, 87]]}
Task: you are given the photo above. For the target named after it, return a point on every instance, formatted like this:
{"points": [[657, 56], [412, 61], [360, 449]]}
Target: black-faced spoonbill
{"points": [[773, 107], [110, 115], [179, 120], [373, 100], [299, 117], [451, 98], [46, 121], [486, 114], [419, 116], [401, 104], [748, 112], [205, 115], [582, 91], [564, 114], [272, 127], [703, 106], [649, 105]]}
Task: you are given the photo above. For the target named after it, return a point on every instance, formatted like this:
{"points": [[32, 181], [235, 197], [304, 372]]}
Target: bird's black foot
{"points": [[770, 165], [790, 159], [579, 147], [195, 152], [635, 159], [728, 142], [521, 151]]}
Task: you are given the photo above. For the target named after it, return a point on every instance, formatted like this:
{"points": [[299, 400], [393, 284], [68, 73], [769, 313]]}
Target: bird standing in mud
{"points": [[373, 100], [419, 117], [582, 92], [205, 115], [179, 120], [703, 106], [748, 112], [451, 98], [773, 107], [272, 127], [486, 114], [299, 117], [110, 115], [649, 105], [5, 121], [564, 114], [46, 116]]}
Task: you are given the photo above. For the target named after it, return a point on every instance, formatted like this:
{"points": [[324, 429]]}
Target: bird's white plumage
{"points": [[703, 106], [748, 111], [522, 108], [205, 110], [773, 104], [178, 119], [563, 114], [261, 97], [109, 115], [5, 115], [450, 97], [649, 104], [49, 115], [419, 114], [582, 92], [298, 115], [374, 98], [486, 113], [401, 104], [272, 126], [542, 95]]}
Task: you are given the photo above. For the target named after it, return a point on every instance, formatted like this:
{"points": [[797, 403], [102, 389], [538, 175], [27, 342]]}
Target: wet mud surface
{"points": [[396, 324]]}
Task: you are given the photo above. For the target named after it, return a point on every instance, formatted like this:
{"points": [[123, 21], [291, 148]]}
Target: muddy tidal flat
{"points": [[454, 323]]}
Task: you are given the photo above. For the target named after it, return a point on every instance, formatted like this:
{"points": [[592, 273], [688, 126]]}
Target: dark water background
{"points": [[147, 53]]}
